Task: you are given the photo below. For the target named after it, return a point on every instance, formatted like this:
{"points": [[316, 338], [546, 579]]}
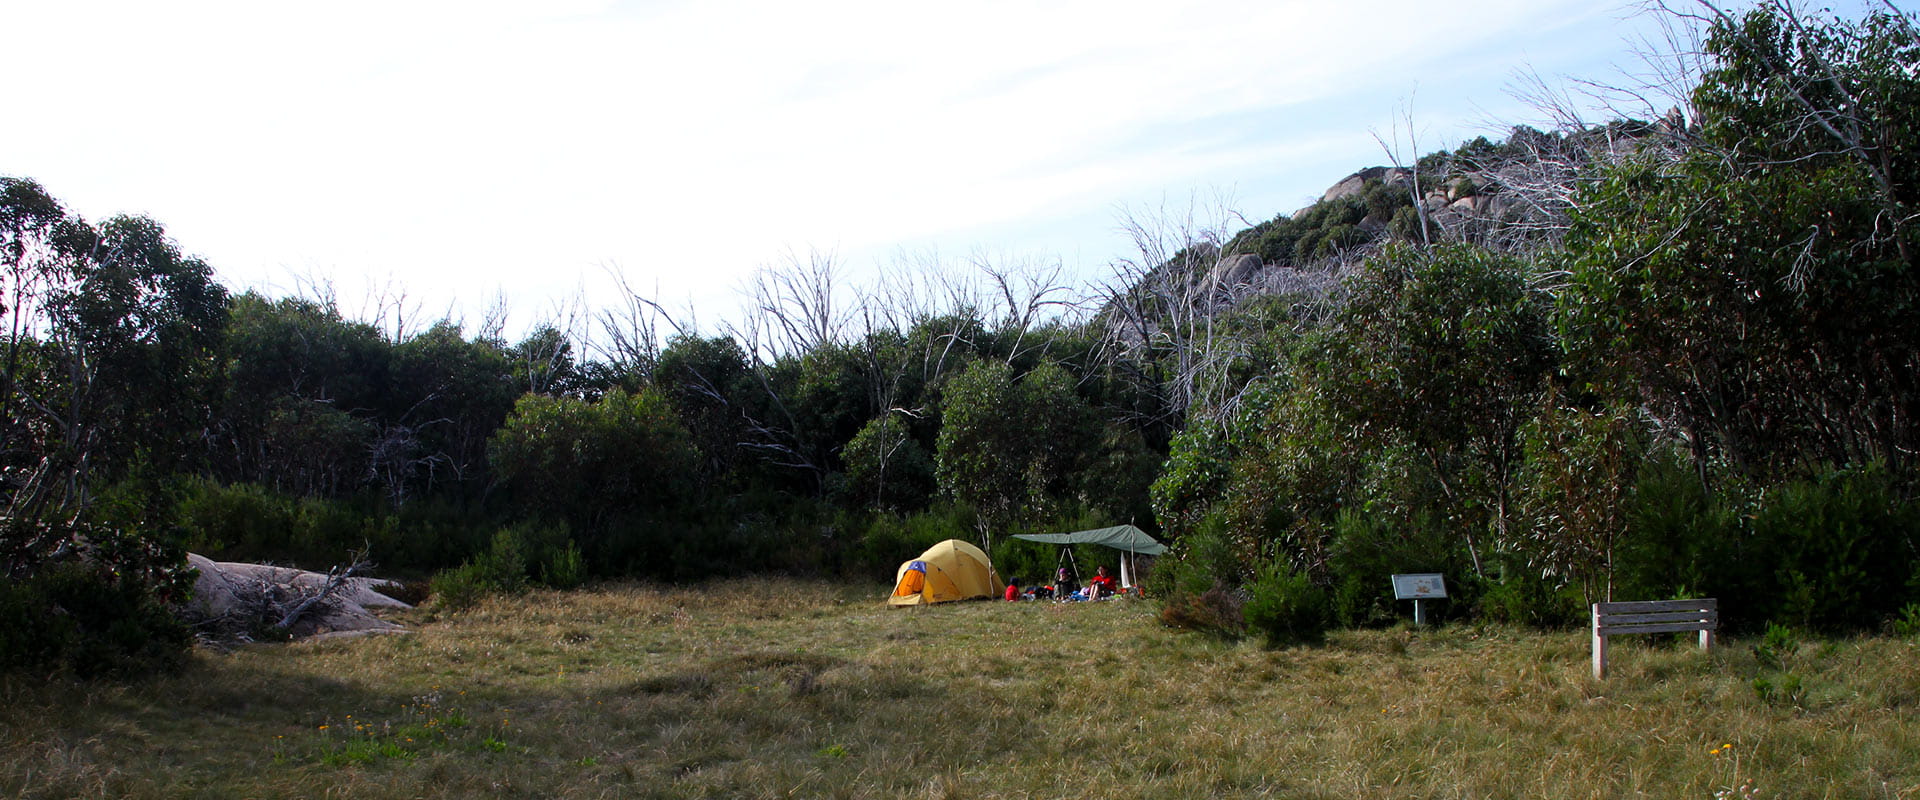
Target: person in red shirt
{"points": [[1100, 586], [1013, 590]]}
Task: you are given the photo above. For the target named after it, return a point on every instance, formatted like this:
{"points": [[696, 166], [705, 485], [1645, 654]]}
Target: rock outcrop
{"points": [[1237, 270], [1357, 182], [232, 600]]}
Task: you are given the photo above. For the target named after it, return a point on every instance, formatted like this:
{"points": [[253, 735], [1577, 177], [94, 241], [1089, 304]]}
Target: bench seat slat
{"points": [[1639, 606], [1670, 627], [1668, 616]]}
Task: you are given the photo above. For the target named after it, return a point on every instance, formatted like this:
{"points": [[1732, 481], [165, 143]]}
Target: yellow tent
{"points": [[948, 571]]}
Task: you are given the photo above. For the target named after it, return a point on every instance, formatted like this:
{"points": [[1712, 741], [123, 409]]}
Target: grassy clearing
{"points": [[801, 689]]}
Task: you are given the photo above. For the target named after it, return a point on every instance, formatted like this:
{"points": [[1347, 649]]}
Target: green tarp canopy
{"points": [[1118, 537]]}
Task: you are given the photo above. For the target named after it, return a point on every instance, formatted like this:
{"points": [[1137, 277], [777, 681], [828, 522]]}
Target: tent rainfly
{"points": [[1132, 540]]}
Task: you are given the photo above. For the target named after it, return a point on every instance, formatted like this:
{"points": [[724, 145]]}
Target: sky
{"points": [[455, 151]]}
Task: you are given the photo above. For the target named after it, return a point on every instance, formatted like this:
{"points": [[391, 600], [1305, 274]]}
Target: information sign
{"points": [[1420, 586]]}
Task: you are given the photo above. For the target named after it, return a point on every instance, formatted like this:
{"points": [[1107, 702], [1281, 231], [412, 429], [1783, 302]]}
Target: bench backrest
{"points": [[1656, 616]]}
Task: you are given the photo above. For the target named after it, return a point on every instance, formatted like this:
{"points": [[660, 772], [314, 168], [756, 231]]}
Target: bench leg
{"points": [[1599, 648], [1706, 640]]}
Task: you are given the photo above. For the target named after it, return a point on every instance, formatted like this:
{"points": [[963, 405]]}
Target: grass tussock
{"points": [[758, 689]]}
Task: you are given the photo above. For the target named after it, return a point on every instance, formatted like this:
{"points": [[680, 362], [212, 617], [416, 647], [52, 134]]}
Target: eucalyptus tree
{"points": [[1759, 292], [111, 331]]}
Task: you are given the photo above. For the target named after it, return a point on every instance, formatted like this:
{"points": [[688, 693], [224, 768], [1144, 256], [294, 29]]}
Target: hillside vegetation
{"points": [[1639, 359]]}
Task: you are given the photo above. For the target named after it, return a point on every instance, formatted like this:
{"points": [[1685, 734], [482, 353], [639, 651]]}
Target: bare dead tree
{"points": [[793, 309], [547, 352], [493, 321], [631, 329], [317, 289], [389, 308], [1029, 291], [916, 292], [298, 600], [1160, 308], [1392, 149], [905, 291]]}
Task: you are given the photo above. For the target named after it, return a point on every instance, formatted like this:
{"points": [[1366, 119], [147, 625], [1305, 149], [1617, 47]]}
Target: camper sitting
{"points": [[1101, 587], [1064, 586]]}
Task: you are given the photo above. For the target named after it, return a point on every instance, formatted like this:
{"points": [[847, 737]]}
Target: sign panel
{"points": [[1419, 586]]}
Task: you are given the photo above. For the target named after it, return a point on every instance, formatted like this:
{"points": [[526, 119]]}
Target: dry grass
{"points": [[805, 690]]}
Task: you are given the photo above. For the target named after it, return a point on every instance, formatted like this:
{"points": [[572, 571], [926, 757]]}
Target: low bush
{"points": [[1218, 611], [1200, 583], [890, 539], [517, 556], [249, 522], [1522, 596], [1287, 607], [564, 568], [1838, 551], [1676, 532], [1368, 550], [78, 619], [1907, 622], [459, 588]]}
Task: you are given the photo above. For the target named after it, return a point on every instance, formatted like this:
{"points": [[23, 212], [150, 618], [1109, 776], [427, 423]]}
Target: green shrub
{"points": [[1784, 688], [1777, 648], [504, 566], [1366, 552], [1199, 582], [564, 568], [459, 588], [78, 619], [1287, 607], [1841, 549], [1338, 239], [1677, 534], [1907, 622], [502, 569], [249, 522], [890, 539], [1833, 552], [234, 521], [1405, 225], [547, 555], [1523, 597]]}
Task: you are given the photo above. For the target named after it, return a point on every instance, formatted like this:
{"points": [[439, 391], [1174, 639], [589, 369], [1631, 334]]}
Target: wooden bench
{"points": [[1655, 616]]}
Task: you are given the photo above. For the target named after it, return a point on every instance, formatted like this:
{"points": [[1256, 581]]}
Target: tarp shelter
{"points": [[1131, 540], [948, 571]]}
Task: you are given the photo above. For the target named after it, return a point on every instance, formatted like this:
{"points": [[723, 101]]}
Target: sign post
{"points": [[1418, 587]]}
